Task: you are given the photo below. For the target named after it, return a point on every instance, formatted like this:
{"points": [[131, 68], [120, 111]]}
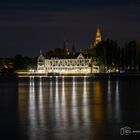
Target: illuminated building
{"points": [[77, 65]]}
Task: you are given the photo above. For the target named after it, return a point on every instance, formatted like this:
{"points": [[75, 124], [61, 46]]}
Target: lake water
{"points": [[62, 108]]}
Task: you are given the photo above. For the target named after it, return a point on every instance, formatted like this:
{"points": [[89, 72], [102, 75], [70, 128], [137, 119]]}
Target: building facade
{"points": [[74, 65], [78, 65]]}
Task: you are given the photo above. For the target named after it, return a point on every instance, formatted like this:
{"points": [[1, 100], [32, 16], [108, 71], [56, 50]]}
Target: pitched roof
{"points": [[70, 56]]}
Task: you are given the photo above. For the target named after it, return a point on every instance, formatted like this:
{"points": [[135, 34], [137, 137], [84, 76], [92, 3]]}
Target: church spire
{"points": [[98, 37]]}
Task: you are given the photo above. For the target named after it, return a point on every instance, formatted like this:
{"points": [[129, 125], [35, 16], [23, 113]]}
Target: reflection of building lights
{"points": [[63, 104], [51, 85], [85, 89], [32, 90], [41, 107], [40, 90], [51, 90], [98, 109], [85, 102], [117, 101], [109, 105], [56, 89], [109, 92], [63, 90], [74, 103], [73, 91], [32, 108], [57, 105]]}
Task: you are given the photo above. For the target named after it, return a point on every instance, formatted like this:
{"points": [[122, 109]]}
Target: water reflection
{"points": [[32, 106], [85, 91], [32, 109], [117, 102], [57, 104], [56, 93], [98, 108], [109, 91], [85, 107], [51, 91], [113, 101], [63, 104], [64, 108], [109, 100], [74, 92], [40, 105], [63, 92], [74, 103]]}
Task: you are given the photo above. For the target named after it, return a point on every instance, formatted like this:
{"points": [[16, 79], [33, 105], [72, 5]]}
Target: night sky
{"points": [[26, 26]]}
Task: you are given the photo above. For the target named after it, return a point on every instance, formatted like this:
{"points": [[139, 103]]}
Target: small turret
{"points": [[41, 63], [40, 52]]}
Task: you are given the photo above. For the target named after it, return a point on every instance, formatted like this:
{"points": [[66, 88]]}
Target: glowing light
{"points": [[40, 87], [63, 90], [85, 91], [51, 92], [74, 103], [85, 102], [73, 92], [31, 70], [56, 91], [57, 105], [41, 107], [117, 102], [64, 66], [32, 108], [98, 109], [32, 90], [109, 92], [109, 105], [63, 105]]}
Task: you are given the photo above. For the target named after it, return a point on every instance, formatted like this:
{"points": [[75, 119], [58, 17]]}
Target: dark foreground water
{"points": [[60, 108]]}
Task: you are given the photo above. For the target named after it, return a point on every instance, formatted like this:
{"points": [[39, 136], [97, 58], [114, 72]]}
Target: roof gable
{"points": [[80, 56]]}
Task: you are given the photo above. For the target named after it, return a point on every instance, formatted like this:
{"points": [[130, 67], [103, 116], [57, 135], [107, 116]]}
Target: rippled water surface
{"points": [[74, 108]]}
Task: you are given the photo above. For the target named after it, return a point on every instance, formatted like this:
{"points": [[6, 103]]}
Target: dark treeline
{"points": [[61, 52], [112, 56], [107, 54], [24, 63]]}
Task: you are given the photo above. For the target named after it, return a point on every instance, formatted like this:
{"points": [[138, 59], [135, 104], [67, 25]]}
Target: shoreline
{"points": [[96, 75], [83, 75], [14, 78]]}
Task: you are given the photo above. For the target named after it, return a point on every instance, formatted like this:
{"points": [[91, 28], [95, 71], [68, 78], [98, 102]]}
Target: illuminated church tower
{"points": [[98, 38]]}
